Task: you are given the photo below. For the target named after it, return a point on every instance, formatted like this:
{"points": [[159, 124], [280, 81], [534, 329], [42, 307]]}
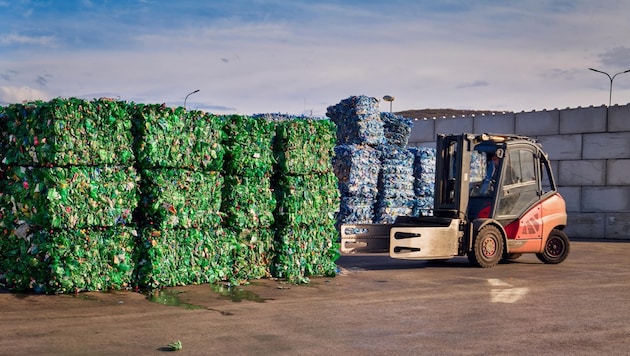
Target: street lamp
{"points": [[611, 81], [186, 98], [390, 99]]}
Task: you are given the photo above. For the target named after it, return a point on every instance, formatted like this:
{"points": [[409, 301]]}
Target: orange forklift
{"points": [[508, 207]]}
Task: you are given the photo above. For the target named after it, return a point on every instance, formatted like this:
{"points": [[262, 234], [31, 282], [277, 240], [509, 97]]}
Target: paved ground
{"points": [[375, 306]]}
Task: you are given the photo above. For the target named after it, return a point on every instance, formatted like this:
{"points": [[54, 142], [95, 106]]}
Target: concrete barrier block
{"points": [[619, 118], [582, 120], [562, 147], [618, 226], [538, 123], [502, 124], [615, 199], [586, 172], [453, 125], [422, 130], [572, 198], [586, 225], [618, 172], [613, 145]]}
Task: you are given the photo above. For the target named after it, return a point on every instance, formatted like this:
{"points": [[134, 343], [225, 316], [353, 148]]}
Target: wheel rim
{"points": [[489, 247], [555, 246]]}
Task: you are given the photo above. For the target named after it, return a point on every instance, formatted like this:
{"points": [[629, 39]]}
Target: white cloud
{"points": [[9, 95], [18, 39]]}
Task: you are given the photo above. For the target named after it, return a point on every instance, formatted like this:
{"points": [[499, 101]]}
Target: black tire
{"points": [[556, 248], [487, 248]]}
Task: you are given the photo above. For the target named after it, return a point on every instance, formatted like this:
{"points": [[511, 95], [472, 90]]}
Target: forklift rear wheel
{"points": [[556, 249], [488, 247]]}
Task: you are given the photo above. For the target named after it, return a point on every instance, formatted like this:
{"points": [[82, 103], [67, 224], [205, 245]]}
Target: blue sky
{"points": [[299, 57]]}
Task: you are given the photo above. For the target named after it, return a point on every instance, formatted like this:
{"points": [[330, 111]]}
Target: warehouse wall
{"points": [[590, 153]]}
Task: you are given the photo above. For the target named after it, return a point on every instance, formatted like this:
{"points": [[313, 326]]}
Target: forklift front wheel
{"points": [[487, 248], [556, 249]]}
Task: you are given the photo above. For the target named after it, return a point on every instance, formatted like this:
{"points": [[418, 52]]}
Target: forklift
{"points": [[509, 206]]}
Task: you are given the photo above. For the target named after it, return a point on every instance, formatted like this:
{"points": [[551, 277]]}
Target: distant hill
{"points": [[439, 113]]}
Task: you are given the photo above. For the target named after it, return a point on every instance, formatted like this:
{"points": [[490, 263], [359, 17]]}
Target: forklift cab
{"points": [[499, 176]]}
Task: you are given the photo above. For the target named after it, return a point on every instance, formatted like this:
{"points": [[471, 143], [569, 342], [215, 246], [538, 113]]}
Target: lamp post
{"points": [[390, 99], [611, 81], [186, 98]]}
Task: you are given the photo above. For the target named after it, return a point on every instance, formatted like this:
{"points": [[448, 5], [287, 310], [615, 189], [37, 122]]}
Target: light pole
{"points": [[390, 99], [611, 81], [186, 98]]}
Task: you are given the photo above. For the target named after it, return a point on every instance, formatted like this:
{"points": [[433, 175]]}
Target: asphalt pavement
{"points": [[374, 306]]}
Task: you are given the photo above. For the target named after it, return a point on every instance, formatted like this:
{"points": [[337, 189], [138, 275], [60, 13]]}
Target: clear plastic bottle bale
{"points": [[423, 206], [424, 160], [357, 168], [396, 194], [355, 211], [358, 121], [397, 129], [424, 170], [477, 166]]}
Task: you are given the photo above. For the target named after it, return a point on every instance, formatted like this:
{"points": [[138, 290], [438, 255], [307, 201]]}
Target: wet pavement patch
{"points": [[171, 298], [237, 294]]}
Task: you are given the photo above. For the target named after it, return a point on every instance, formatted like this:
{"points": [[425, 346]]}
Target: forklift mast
{"points": [[452, 175]]}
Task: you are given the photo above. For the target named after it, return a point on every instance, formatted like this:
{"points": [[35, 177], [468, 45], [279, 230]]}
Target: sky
{"points": [[298, 57]]}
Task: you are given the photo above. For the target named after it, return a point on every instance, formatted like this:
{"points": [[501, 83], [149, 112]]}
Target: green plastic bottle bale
{"points": [[3, 134], [249, 146], [175, 138], [179, 198], [305, 146], [69, 260], [64, 132], [248, 202], [70, 197], [173, 257], [252, 255], [303, 251], [307, 199]]}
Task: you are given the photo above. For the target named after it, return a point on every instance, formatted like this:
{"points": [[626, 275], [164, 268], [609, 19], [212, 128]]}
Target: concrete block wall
{"points": [[590, 153]]}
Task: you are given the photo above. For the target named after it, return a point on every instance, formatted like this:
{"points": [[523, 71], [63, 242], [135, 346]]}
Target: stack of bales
{"points": [[396, 196], [180, 157], [308, 197], [3, 140], [424, 182], [248, 198], [68, 193], [356, 163]]}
